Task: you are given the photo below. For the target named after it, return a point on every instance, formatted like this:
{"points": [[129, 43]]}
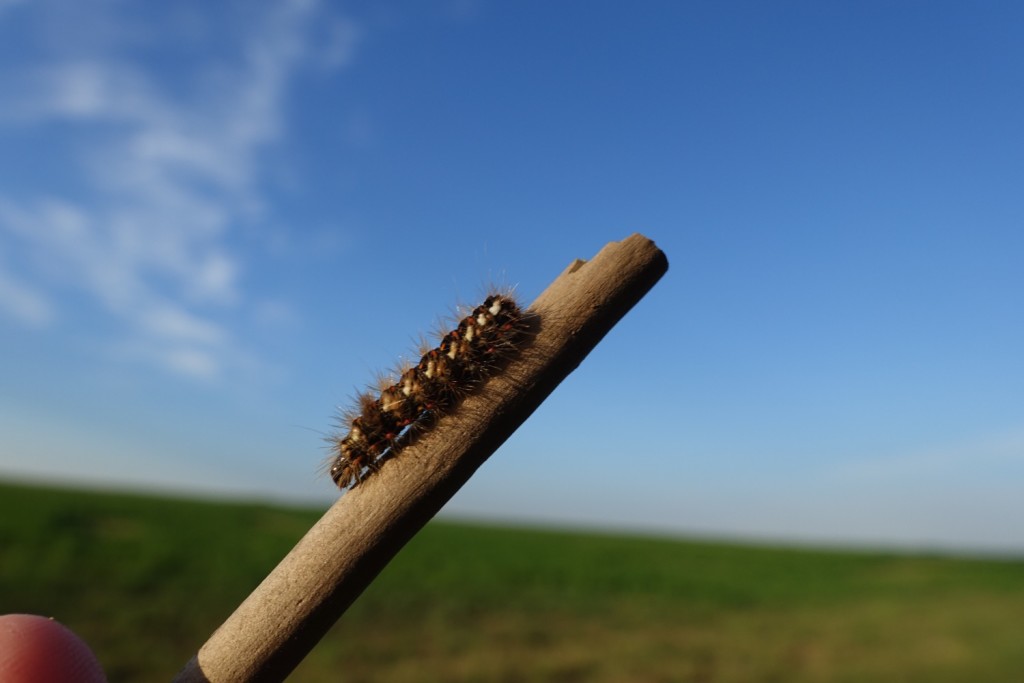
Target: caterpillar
{"points": [[379, 426]]}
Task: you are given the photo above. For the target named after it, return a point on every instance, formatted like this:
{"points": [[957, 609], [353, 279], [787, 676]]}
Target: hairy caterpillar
{"points": [[477, 348]]}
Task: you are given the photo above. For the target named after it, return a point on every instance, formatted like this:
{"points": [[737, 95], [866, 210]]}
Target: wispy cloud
{"points": [[171, 171], [8, 4], [25, 303], [960, 462]]}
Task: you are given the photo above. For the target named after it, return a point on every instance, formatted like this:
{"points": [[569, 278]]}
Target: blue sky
{"points": [[219, 220]]}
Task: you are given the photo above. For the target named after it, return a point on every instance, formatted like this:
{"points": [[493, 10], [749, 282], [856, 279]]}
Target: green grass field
{"points": [[145, 580]]}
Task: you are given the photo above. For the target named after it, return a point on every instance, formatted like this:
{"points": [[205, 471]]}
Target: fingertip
{"points": [[35, 649]]}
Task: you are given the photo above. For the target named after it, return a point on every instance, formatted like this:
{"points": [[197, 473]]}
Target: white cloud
{"points": [[8, 4], [194, 362], [342, 39], [987, 458], [171, 179], [171, 323], [24, 303], [86, 88]]}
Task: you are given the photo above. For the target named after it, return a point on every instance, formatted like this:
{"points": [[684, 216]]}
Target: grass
{"points": [[145, 580]]}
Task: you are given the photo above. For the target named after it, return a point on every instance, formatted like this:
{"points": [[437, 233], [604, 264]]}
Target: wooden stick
{"points": [[288, 613]]}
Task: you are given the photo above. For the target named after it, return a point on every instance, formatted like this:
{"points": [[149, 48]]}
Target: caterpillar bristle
{"points": [[406, 403]]}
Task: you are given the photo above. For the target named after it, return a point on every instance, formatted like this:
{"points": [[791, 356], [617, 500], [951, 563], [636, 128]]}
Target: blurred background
{"points": [[218, 221]]}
